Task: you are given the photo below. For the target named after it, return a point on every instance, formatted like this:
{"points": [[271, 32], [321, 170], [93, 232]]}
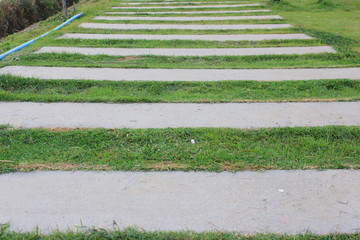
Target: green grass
{"points": [[336, 17], [135, 234], [183, 31], [208, 62], [27, 89], [216, 149], [179, 43]]}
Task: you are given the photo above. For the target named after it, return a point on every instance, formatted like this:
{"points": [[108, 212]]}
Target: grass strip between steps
{"points": [[188, 32], [322, 60], [215, 149], [135, 234], [34, 90]]}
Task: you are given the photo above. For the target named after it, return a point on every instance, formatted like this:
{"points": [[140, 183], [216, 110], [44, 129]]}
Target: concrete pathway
{"points": [[175, 115], [259, 17], [205, 37], [188, 51], [202, 6], [193, 12], [180, 26], [290, 202], [128, 74]]}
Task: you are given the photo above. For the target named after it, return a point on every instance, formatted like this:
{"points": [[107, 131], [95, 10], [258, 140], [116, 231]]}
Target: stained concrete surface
{"points": [[188, 51], [179, 26], [175, 115], [289, 202], [193, 12], [259, 17], [200, 6], [128, 74], [207, 37]]}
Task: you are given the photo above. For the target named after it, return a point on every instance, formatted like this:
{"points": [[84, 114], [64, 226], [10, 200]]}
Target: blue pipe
{"points": [[31, 41]]}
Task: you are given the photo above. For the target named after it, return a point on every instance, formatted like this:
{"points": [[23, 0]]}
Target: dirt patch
{"points": [[24, 167], [356, 49], [61, 129], [352, 166], [31, 27], [273, 100], [129, 58], [232, 167], [162, 166]]}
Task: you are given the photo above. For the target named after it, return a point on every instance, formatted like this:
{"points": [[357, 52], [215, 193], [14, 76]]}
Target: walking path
{"points": [[175, 115], [205, 37], [179, 26], [290, 202], [188, 51], [127, 74], [202, 12], [200, 6], [259, 17]]}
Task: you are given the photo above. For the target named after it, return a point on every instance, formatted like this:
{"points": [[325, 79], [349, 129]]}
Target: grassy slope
{"points": [[170, 149], [345, 58], [338, 17]]}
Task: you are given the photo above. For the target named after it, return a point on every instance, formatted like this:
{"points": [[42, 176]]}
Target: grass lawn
{"points": [[215, 149], [338, 17], [34, 90], [324, 60]]}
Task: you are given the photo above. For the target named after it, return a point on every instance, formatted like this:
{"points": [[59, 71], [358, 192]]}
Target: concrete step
{"points": [[176, 115], [205, 37], [179, 26], [291, 202], [259, 17], [127, 74], [138, 74], [200, 6], [193, 12], [165, 3]]}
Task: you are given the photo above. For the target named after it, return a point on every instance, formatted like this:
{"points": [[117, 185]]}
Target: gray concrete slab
{"points": [[207, 37], [200, 6], [175, 115], [258, 17], [128, 74], [291, 202], [193, 12], [182, 26], [165, 3], [188, 51]]}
